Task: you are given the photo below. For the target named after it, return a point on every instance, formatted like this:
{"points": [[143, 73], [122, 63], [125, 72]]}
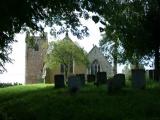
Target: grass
{"points": [[43, 102]]}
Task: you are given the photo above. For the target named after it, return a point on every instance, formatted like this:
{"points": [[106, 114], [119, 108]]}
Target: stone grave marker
{"points": [[59, 81], [116, 83], [90, 78], [82, 78], [74, 83], [138, 78], [101, 78], [119, 80]]}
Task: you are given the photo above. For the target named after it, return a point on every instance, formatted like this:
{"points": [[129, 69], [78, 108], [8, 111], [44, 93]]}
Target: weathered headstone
{"points": [[82, 78], [116, 83], [59, 81], [101, 78], [119, 80], [74, 83], [138, 78], [90, 78]]}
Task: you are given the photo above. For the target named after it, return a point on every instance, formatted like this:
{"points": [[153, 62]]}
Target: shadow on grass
{"points": [[40, 102]]}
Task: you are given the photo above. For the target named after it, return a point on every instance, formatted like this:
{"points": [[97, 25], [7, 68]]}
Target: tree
{"points": [[26, 15], [113, 50], [65, 52], [137, 24]]}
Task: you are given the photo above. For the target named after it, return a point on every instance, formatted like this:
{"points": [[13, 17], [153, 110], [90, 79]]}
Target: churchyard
{"points": [[118, 98]]}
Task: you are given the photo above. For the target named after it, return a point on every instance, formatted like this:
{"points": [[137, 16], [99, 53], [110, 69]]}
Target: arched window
{"points": [[95, 67]]}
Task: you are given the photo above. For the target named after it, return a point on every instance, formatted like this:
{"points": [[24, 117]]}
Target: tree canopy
{"points": [[113, 50], [27, 15], [64, 52], [137, 24]]}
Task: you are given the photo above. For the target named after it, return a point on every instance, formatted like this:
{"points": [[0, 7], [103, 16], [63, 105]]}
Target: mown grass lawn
{"points": [[44, 102]]}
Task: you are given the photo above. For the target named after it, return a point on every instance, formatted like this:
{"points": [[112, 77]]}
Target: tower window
{"points": [[36, 47]]}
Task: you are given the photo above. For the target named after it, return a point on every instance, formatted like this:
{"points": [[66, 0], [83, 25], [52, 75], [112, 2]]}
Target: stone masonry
{"points": [[35, 60]]}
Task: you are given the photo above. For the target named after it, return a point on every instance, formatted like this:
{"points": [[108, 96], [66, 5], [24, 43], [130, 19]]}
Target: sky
{"points": [[16, 71]]}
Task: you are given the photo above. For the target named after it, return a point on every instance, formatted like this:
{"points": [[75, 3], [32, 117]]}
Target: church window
{"points": [[95, 67], [71, 67]]}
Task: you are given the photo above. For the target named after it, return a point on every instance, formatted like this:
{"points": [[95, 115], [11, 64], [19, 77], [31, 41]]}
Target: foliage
{"points": [[65, 52], [29, 15], [136, 23], [5, 50], [113, 50], [3, 85]]}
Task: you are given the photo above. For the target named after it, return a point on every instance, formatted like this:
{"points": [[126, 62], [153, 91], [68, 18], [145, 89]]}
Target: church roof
{"points": [[94, 47], [95, 52]]}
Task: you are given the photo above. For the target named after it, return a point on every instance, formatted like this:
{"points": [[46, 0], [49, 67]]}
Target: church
{"points": [[36, 72]]}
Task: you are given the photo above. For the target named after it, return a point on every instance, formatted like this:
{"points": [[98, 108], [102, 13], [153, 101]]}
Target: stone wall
{"points": [[35, 61], [105, 66], [49, 78]]}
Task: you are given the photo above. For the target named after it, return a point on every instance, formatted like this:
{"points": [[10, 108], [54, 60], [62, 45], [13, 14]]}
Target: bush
{"points": [[3, 85]]}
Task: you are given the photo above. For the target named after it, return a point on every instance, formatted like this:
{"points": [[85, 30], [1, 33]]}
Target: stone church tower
{"points": [[36, 48]]}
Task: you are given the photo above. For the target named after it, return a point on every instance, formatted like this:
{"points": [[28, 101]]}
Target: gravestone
{"points": [[74, 83], [116, 83], [138, 78], [59, 81], [90, 78], [119, 80], [101, 78], [82, 78]]}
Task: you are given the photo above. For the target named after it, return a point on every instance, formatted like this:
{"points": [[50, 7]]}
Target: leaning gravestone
{"points": [[74, 83], [138, 78], [82, 78], [101, 78], [59, 81], [90, 78]]}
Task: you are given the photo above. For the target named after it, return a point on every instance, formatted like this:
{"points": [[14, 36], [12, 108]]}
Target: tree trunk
{"points": [[66, 73], [115, 52], [137, 64], [115, 66], [157, 44], [156, 63]]}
